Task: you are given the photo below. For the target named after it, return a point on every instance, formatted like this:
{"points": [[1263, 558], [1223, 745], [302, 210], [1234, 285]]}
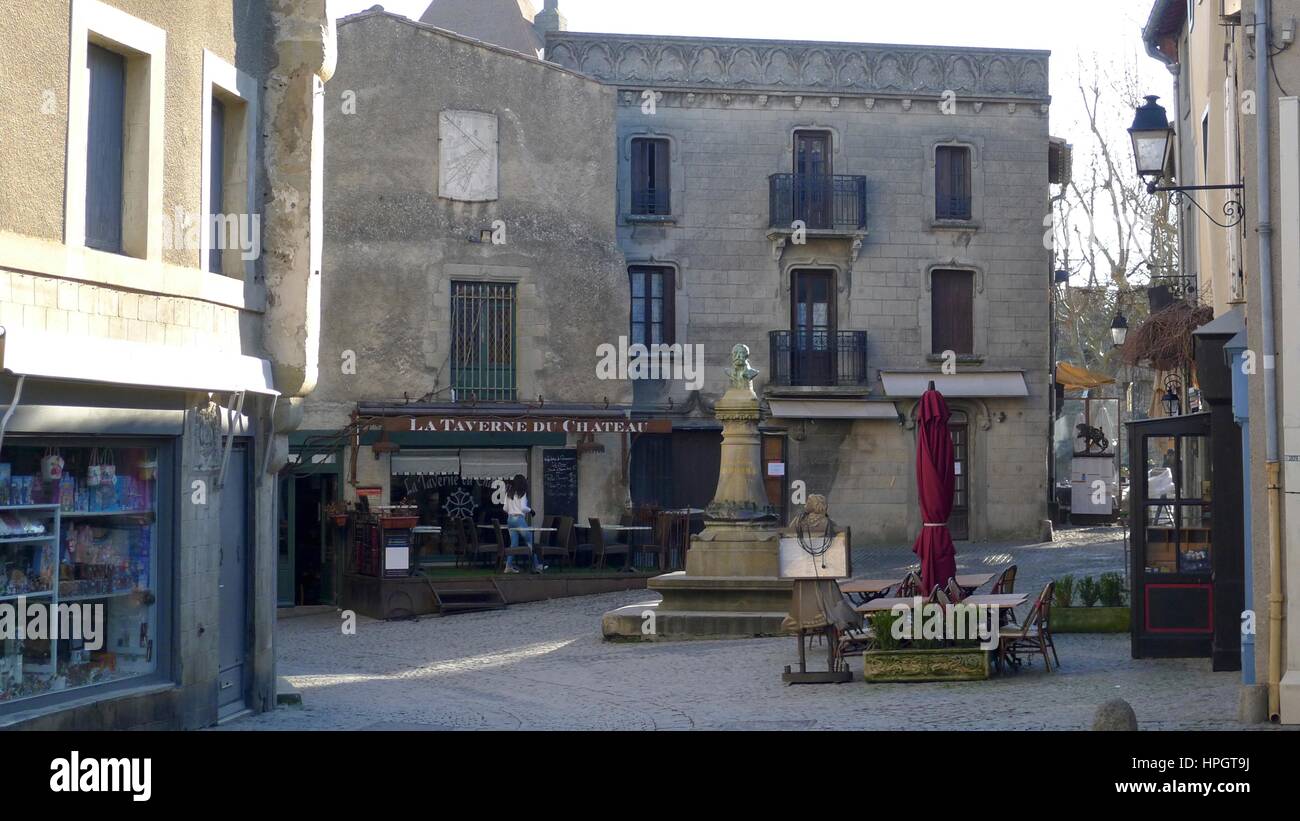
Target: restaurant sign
{"points": [[523, 424]]}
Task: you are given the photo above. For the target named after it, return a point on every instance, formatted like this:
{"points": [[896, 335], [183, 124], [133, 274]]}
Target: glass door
{"points": [[812, 360], [812, 178]]}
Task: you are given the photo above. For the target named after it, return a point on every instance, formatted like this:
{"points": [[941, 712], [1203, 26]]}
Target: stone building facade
{"points": [[143, 334], [826, 204], [471, 201]]}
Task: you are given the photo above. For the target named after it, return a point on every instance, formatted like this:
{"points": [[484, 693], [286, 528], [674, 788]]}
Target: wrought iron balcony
{"points": [[822, 202], [952, 208], [817, 358], [651, 202]]}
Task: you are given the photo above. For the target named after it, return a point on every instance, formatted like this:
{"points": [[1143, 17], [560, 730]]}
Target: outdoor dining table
{"points": [[1001, 601], [864, 590]]}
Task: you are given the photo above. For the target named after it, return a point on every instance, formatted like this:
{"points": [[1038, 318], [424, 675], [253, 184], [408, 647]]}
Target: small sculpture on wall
{"points": [[1090, 437]]}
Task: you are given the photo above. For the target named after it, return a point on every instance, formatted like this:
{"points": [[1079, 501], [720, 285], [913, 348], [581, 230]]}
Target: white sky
{"points": [[1104, 30]]}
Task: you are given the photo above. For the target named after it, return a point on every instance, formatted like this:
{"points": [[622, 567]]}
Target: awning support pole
{"points": [[9, 411], [233, 412]]}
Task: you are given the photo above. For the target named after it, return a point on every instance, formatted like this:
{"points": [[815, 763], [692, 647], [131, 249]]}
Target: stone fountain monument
{"points": [[730, 587]]}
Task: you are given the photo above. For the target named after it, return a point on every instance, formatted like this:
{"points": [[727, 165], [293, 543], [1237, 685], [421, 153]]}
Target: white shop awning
{"points": [[493, 464], [426, 463], [832, 409], [972, 384], [116, 361]]}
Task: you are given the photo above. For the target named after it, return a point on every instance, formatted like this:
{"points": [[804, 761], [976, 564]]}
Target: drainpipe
{"points": [[1263, 185]]}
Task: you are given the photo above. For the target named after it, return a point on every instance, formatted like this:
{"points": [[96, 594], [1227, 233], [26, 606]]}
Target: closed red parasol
{"points": [[934, 481]]}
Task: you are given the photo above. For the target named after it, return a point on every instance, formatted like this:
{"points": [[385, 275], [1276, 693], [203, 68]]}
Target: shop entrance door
{"points": [[233, 586]]}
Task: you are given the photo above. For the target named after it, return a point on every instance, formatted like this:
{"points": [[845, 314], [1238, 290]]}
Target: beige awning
{"points": [[972, 384], [493, 464], [832, 409], [426, 463]]}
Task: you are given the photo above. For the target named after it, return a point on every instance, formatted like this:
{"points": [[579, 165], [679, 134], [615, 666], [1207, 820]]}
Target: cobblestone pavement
{"points": [[545, 666]]}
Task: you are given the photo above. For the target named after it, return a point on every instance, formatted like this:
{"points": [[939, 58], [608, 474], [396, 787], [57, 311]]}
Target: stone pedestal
{"points": [[730, 587]]}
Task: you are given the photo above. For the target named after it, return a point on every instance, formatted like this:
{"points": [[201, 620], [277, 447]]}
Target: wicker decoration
{"points": [[1164, 340]]}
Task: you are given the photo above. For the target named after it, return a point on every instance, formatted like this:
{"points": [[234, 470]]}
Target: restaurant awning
{"points": [[832, 409], [426, 463], [1076, 378], [973, 384], [493, 464]]}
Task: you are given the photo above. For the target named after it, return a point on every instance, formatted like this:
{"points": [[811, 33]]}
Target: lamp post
{"points": [[1153, 142]]}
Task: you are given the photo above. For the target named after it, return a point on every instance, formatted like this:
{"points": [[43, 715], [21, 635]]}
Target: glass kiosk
{"points": [[1172, 515]]}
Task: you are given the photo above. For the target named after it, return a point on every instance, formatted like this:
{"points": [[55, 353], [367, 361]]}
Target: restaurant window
{"points": [[105, 124], [483, 341], [651, 187], [952, 312], [652, 305], [79, 550], [952, 183]]}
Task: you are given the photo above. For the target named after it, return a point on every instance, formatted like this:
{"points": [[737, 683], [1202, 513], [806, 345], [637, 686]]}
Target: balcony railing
{"points": [[952, 208], [822, 202], [818, 358], [652, 202]]}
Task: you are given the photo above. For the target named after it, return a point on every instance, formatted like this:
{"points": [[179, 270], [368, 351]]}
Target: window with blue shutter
{"points": [[104, 132]]}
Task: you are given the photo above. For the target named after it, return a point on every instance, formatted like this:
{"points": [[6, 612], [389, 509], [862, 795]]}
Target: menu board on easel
{"points": [[560, 482]]}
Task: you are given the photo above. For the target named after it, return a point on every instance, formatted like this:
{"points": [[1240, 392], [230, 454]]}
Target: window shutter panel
{"points": [[105, 128], [662, 184], [639, 172], [217, 177], [942, 182]]}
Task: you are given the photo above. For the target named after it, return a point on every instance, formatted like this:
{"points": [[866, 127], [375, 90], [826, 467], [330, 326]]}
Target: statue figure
{"points": [[740, 374]]}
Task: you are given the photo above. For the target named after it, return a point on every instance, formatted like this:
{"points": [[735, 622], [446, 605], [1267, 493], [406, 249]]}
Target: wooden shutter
{"points": [[217, 177], [661, 180], [942, 181], [639, 176], [952, 312], [105, 124]]}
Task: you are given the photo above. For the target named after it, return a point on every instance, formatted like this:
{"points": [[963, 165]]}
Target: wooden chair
{"points": [[658, 543], [601, 549], [550, 545], [476, 549], [1034, 636], [506, 551]]}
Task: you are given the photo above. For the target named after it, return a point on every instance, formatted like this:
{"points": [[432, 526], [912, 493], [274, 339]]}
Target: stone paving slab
{"points": [[544, 666]]}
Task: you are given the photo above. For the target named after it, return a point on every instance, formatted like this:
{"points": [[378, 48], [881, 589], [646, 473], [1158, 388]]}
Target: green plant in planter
{"points": [[1064, 593], [1089, 591], [882, 625], [1111, 590]]}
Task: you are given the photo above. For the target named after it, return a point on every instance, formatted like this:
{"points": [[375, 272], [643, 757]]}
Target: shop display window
{"points": [[79, 567], [1178, 505]]}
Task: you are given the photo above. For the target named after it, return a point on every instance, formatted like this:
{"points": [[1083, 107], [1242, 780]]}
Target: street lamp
{"points": [[1119, 329], [1153, 142], [1152, 137], [1173, 405]]}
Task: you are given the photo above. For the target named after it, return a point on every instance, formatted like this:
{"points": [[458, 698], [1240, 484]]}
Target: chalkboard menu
{"points": [[560, 482]]}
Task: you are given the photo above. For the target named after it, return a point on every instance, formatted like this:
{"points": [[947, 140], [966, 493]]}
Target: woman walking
{"points": [[517, 513]]}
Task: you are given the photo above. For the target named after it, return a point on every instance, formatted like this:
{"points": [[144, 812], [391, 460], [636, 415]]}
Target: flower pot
{"points": [[948, 664], [1090, 620]]}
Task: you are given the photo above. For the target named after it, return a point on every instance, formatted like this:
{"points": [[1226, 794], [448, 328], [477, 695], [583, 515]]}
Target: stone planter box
{"points": [[1090, 620], [955, 664]]}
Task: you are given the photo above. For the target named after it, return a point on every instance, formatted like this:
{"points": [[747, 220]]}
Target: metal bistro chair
{"points": [[954, 591], [1006, 583], [908, 587], [1035, 636]]}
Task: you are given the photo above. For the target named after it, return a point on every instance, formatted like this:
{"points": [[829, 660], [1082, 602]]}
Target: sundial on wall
{"points": [[467, 156]]}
